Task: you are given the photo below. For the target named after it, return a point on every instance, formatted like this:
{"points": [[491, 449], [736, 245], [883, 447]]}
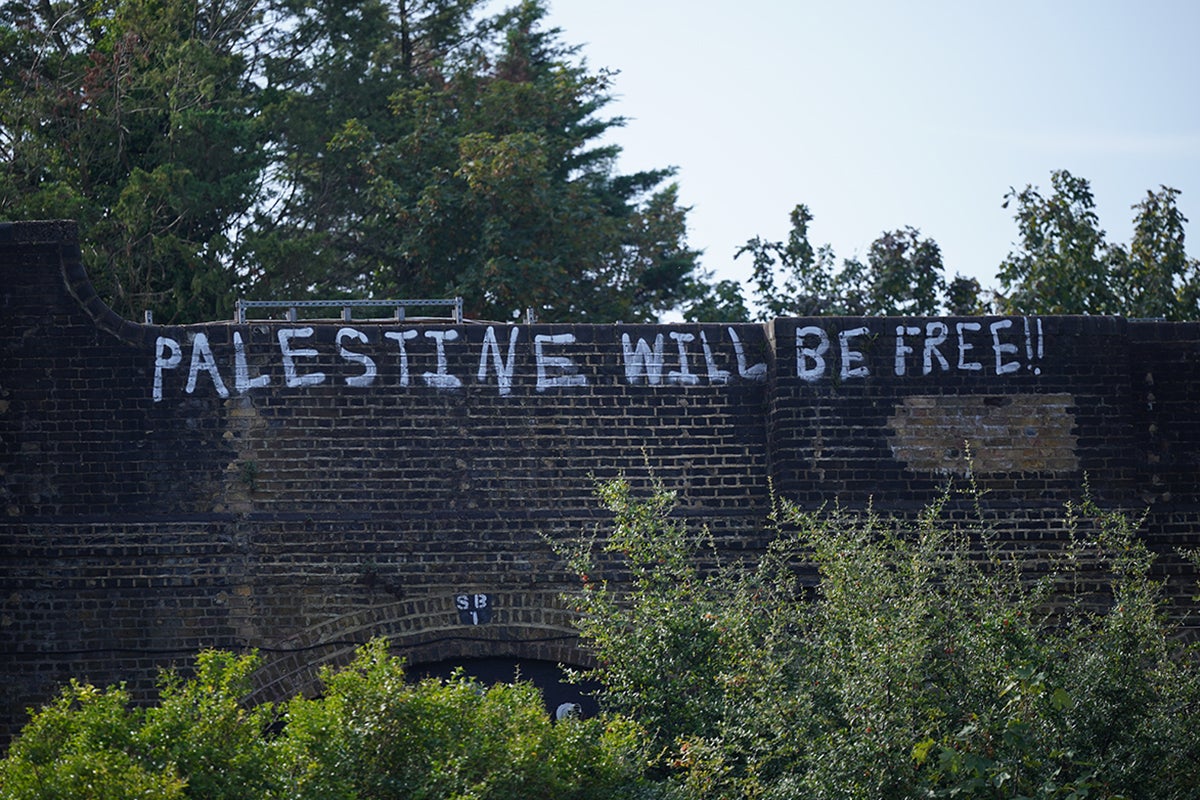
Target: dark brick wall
{"points": [[302, 487], [1029, 405]]}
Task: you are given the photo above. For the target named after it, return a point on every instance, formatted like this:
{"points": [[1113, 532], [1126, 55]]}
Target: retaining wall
{"points": [[299, 487]]}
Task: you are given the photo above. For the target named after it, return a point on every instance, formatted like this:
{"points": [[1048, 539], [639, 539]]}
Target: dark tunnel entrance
{"points": [[557, 694]]}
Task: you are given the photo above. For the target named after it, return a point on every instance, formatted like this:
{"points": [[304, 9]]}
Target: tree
{"points": [[719, 302], [905, 275], [1061, 264], [468, 166], [372, 733], [198, 741], [792, 278], [964, 297], [1155, 277], [372, 147], [331, 77], [902, 275], [133, 117]]}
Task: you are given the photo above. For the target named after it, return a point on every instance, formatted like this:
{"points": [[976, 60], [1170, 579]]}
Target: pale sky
{"points": [[879, 115]]}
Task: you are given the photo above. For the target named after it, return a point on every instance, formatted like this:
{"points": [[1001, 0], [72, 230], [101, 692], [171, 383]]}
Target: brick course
{"points": [[301, 487]]}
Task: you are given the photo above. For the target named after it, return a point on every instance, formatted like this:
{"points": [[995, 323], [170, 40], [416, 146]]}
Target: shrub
{"points": [[197, 742], [372, 734], [921, 660]]}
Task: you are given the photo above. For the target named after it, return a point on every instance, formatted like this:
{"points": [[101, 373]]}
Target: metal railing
{"points": [[399, 307]]}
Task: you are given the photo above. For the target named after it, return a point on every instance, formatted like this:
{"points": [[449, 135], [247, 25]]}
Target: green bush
{"points": [[197, 742], [372, 734], [375, 735], [860, 657], [920, 660]]}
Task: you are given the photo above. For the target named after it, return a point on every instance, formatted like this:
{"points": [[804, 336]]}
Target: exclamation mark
{"points": [[1029, 345], [1041, 339]]}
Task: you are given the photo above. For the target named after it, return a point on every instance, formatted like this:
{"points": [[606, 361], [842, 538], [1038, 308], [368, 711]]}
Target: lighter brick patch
{"points": [[949, 434]]}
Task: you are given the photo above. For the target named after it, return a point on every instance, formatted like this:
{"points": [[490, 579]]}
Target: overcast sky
{"points": [[879, 115]]}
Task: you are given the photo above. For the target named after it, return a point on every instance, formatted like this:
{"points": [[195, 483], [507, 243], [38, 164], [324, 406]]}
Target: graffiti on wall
{"points": [[996, 347], [710, 355], [421, 358]]}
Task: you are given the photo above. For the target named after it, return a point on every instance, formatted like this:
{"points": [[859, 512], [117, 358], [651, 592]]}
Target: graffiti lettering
{"points": [[203, 361], [368, 364], [757, 372], [441, 379], [504, 370], [567, 375], [167, 355], [810, 360], [643, 364], [357, 358], [966, 346], [290, 376], [241, 370], [400, 337], [682, 376]]}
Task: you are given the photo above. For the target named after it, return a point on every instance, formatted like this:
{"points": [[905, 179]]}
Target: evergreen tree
{"points": [[134, 118], [464, 163], [290, 148]]}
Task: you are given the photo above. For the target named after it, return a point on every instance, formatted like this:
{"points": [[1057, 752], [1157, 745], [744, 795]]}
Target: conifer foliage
{"points": [[285, 149]]}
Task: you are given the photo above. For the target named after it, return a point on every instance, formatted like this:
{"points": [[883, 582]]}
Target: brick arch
{"points": [[527, 625]]}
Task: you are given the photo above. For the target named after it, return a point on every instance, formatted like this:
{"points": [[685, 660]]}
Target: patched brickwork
{"points": [[300, 487], [985, 434]]}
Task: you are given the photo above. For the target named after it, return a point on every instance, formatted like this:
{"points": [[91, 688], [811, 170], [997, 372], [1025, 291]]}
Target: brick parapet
{"points": [[301, 487]]}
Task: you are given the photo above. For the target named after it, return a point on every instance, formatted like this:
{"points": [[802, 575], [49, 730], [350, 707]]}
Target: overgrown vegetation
{"points": [[917, 660], [372, 734], [860, 657], [430, 148]]}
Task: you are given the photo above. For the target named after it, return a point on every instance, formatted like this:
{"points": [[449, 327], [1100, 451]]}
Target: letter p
{"points": [[167, 355]]}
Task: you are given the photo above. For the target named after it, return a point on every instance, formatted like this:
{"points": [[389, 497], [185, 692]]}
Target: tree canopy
{"points": [[1062, 263], [414, 148], [373, 733], [870, 657], [138, 120], [289, 149], [903, 275]]}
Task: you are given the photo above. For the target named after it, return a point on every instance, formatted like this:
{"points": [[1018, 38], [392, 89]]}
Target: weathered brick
{"points": [[164, 489]]}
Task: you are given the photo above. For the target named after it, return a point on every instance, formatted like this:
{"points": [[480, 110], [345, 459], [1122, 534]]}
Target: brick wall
{"points": [[301, 487]]}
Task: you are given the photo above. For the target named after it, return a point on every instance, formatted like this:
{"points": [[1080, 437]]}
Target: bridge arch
{"points": [[428, 633]]}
